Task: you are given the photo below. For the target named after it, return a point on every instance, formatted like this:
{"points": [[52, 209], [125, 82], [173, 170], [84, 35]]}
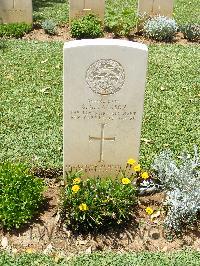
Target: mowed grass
{"points": [[189, 258], [185, 11], [56, 10], [31, 102]]}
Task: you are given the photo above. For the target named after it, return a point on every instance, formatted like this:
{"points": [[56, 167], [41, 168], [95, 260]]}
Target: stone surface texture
{"points": [[78, 8], [16, 11], [156, 7], [104, 84]]}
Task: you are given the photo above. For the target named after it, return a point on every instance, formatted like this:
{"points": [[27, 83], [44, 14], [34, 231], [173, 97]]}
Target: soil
{"points": [[63, 34], [46, 234]]}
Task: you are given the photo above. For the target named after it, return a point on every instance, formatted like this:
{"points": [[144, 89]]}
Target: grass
{"points": [[189, 258], [184, 11], [172, 100], [31, 102], [57, 10]]}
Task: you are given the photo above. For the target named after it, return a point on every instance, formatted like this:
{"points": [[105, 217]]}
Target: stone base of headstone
{"points": [[16, 11], [151, 8], [79, 8]]}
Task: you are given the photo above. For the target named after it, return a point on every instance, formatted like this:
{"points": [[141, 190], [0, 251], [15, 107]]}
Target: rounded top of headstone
{"points": [[105, 76]]}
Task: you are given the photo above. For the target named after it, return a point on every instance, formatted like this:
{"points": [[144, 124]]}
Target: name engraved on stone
{"points": [[102, 139], [103, 109], [105, 76]]}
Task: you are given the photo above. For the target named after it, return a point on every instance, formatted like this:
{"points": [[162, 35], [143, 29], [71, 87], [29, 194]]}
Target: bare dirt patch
{"points": [[63, 34]]}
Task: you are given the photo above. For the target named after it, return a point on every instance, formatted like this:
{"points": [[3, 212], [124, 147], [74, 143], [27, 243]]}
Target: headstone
{"points": [[16, 11], [104, 83], [156, 7], [78, 8]]}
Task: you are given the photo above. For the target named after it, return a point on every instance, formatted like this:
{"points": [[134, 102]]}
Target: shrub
{"points": [[85, 27], [20, 195], [94, 204], [16, 30], [49, 26], [120, 18], [2, 44], [191, 32], [183, 188], [160, 28]]}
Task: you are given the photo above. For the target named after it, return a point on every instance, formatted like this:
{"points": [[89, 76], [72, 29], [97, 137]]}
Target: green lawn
{"points": [[56, 10], [189, 258], [184, 10], [31, 101]]}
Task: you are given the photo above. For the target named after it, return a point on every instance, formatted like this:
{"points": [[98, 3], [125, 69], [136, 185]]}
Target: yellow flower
{"points": [[83, 207], [131, 161], [137, 168], [149, 210], [57, 258], [29, 250], [126, 181], [145, 175], [75, 188], [77, 180]]}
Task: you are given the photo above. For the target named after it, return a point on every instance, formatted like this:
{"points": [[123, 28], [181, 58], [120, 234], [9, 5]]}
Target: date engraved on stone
{"points": [[105, 77]]}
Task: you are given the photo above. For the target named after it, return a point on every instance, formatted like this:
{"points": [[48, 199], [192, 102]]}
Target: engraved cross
{"points": [[102, 139]]}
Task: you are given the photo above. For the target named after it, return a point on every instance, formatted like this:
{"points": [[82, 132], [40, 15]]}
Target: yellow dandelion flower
{"points": [[75, 188], [77, 180], [149, 210], [145, 175], [137, 168], [131, 161], [126, 181], [83, 207]]}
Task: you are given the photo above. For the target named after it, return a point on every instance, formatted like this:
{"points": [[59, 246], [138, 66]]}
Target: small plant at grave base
{"points": [[191, 32], [95, 203], [20, 195], [182, 185], [89, 26], [49, 26], [16, 30], [145, 183], [160, 28], [120, 18]]}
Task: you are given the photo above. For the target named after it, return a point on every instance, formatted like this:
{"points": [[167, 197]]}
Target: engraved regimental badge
{"points": [[105, 77]]}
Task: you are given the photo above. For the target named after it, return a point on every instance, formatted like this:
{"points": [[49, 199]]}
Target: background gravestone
{"points": [[13, 11], [79, 8], [156, 7], [104, 82]]}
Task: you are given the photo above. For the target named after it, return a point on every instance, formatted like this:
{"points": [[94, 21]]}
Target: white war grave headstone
{"points": [[104, 84], [156, 7], [16, 11], [78, 8]]}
